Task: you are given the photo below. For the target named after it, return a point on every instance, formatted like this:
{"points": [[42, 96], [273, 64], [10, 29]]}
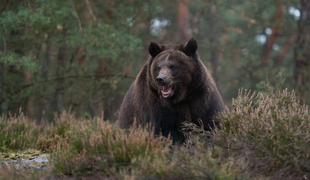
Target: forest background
{"points": [[81, 56]]}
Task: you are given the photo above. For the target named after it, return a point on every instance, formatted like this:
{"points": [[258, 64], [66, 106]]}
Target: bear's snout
{"points": [[165, 85], [162, 80], [164, 77]]}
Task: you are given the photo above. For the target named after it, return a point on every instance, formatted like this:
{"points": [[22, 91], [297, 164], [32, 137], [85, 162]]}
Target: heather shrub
{"points": [[17, 133], [95, 145], [269, 131], [101, 148], [263, 135]]}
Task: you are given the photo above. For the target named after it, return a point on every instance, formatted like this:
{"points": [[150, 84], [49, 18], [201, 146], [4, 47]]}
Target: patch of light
{"points": [[130, 21], [276, 47], [157, 25], [261, 38], [294, 12], [268, 31]]}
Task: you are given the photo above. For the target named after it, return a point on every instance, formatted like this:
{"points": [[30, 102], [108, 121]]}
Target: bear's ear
{"points": [[154, 49], [190, 47]]}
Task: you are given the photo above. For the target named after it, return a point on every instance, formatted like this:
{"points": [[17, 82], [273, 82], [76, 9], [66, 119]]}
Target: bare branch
{"points": [[90, 10]]}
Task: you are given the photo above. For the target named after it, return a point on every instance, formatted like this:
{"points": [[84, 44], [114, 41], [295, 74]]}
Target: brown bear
{"points": [[173, 87]]}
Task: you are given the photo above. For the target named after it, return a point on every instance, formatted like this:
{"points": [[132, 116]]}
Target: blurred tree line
{"points": [[81, 55]]}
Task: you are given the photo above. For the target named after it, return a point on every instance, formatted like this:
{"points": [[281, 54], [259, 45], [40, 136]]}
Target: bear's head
{"points": [[172, 69]]}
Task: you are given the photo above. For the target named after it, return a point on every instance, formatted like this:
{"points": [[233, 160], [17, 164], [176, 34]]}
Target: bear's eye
{"points": [[172, 67], [157, 68]]}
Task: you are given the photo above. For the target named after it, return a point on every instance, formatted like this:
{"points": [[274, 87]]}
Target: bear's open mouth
{"points": [[167, 91]]}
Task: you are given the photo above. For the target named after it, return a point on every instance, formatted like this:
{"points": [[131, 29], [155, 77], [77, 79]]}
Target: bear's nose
{"points": [[161, 80]]}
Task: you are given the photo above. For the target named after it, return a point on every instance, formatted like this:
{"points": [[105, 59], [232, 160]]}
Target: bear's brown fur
{"points": [[172, 87]]}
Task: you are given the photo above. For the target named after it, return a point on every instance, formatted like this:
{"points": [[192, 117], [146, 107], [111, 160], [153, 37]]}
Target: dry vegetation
{"points": [[268, 134], [263, 135]]}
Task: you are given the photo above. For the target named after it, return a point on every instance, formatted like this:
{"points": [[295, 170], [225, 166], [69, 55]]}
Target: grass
{"points": [[263, 135]]}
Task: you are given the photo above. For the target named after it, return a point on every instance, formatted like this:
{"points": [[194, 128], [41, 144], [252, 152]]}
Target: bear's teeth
{"points": [[166, 91]]}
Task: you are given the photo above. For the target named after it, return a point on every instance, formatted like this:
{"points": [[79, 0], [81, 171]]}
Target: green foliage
{"points": [[237, 25], [78, 55], [100, 39], [43, 41], [19, 62]]}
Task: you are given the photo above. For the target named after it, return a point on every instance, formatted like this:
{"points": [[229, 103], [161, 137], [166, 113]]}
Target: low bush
{"points": [[263, 135], [269, 132]]}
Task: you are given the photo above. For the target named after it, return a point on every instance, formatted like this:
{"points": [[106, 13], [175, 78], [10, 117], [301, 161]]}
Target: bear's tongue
{"points": [[166, 91]]}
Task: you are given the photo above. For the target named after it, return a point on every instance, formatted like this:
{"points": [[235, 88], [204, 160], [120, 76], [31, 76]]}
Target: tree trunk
{"points": [[271, 40], [302, 51], [290, 42], [59, 104], [183, 20], [48, 63], [3, 5], [1, 88], [30, 111], [214, 39]]}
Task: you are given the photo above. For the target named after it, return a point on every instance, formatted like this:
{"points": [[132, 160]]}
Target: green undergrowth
{"points": [[263, 135]]}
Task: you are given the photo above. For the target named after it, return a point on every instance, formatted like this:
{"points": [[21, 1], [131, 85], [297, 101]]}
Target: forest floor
{"points": [[263, 136]]}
